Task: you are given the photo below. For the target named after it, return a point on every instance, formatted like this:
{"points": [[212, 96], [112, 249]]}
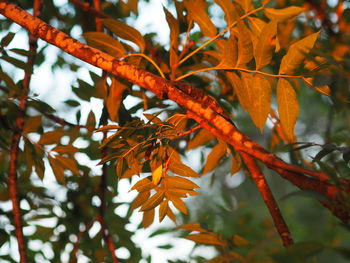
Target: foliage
{"points": [[266, 65]]}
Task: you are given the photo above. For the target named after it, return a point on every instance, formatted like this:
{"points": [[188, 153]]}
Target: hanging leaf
{"points": [[239, 89], [193, 227], [236, 163], [245, 45], [51, 137], [6, 40], [229, 10], [143, 185], [17, 63], [68, 163], [288, 107], [124, 31], [140, 199], [247, 91], [148, 218], [229, 56], [214, 157], [201, 138], [57, 169], [105, 42], [69, 149], [91, 122], [32, 124], [197, 11], [114, 99], [296, 54], [206, 239], [266, 45], [8, 80], [163, 209], [171, 215], [154, 201], [178, 203], [153, 118], [157, 174], [173, 24], [179, 182], [283, 14], [260, 104]]}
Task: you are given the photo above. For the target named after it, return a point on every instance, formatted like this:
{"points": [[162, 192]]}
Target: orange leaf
{"points": [[152, 202]]}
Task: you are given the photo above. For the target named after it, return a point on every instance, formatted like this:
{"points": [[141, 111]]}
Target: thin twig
{"points": [[14, 148], [269, 199], [189, 131]]}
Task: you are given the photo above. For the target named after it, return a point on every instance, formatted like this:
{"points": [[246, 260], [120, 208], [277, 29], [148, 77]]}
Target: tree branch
{"points": [[269, 200], [14, 148]]}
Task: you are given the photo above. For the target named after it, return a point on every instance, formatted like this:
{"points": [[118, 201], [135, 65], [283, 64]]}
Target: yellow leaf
{"points": [[288, 107], [260, 104], [178, 203], [240, 241], [256, 25], [206, 239], [179, 182], [173, 24], [157, 174], [193, 227], [114, 99], [143, 185], [239, 89], [214, 157], [245, 46], [324, 89], [283, 14], [124, 31], [140, 199], [163, 209], [236, 163], [154, 201], [229, 56], [201, 138], [197, 11], [105, 42], [266, 45], [148, 218], [229, 10], [296, 54]]}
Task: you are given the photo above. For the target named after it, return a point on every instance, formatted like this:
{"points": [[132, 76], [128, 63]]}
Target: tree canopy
{"points": [[236, 131]]}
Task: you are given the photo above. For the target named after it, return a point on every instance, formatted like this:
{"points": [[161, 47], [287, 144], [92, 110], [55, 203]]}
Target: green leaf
{"points": [[23, 52], [17, 63], [197, 11], [105, 43], [124, 31], [266, 45], [51, 137], [8, 80], [72, 103], [296, 54], [245, 45], [260, 104], [288, 107], [214, 157], [6, 40], [283, 14]]}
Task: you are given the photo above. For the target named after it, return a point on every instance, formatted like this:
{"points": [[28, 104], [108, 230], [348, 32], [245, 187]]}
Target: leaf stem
{"points": [[148, 59]]}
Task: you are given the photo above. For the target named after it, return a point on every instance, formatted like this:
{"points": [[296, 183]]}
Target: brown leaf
{"points": [[205, 239]]}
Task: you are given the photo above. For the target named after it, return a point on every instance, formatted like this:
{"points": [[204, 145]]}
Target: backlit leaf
{"points": [[177, 167], [178, 203], [229, 10], [51, 137], [140, 199], [245, 45], [163, 209], [201, 138], [260, 106], [157, 174], [240, 89], [104, 42], [173, 24], [247, 94], [296, 54], [148, 218], [124, 31], [256, 25], [288, 107], [171, 215], [206, 239], [283, 14], [179, 182], [197, 11], [266, 45], [214, 157], [143, 185], [114, 99], [153, 201], [229, 55]]}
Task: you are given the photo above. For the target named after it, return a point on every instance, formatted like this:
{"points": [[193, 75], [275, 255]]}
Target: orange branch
{"points": [[269, 200]]}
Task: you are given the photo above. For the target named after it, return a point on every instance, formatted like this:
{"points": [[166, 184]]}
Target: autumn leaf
{"points": [[214, 157], [114, 99], [206, 239], [57, 169], [201, 138], [197, 11], [236, 163], [140, 199], [157, 174], [143, 185], [266, 45], [105, 42], [229, 9], [178, 203], [229, 55], [179, 182], [284, 13], [296, 54], [173, 24], [245, 45], [163, 209], [154, 201], [51, 137], [240, 241], [193, 227], [148, 218], [288, 107]]}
